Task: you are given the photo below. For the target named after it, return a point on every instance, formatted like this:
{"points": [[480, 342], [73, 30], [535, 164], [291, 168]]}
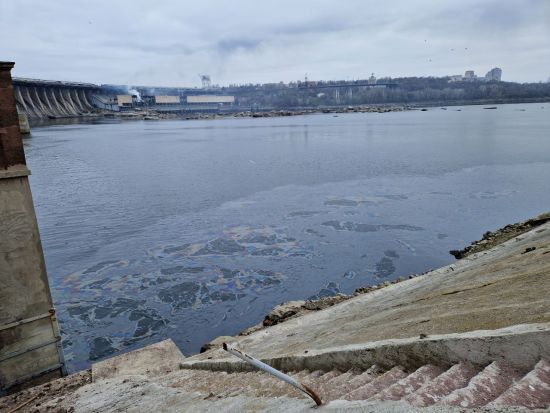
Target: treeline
{"points": [[409, 90]]}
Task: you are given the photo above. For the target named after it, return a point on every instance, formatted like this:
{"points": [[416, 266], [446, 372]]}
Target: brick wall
{"points": [[11, 146]]}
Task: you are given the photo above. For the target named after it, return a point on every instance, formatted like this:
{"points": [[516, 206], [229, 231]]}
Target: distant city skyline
{"points": [[172, 43]]}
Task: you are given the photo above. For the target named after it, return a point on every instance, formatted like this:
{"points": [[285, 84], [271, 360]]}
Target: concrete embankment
{"points": [[491, 289], [472, 334], [294, 309]]}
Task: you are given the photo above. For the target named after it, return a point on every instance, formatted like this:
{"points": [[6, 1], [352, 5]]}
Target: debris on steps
{"points": [[40, 397]]}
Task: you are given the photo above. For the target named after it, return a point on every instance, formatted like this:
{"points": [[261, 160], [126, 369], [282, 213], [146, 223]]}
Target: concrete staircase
{"points": [[463, 385]]}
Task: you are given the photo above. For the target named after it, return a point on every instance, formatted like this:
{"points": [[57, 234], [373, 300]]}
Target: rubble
{"points": [[492, 238]]}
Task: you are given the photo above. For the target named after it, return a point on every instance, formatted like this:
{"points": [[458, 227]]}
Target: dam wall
{"points": [[43, 99]]}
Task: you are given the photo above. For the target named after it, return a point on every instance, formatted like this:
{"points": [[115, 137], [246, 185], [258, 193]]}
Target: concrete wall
{"points": [[24, 127], [522, 346], [162, 99], [30, 343], [106, 102], [210, 99]]}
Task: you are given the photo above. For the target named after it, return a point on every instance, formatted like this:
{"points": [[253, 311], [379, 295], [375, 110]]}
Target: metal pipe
{"points": [[280, 375]]}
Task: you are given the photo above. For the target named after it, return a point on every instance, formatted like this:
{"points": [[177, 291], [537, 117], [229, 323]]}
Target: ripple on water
{"points": [[360, 227]]}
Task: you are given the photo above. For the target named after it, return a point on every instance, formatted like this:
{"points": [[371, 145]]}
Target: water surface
{"points": [[194, 229]]}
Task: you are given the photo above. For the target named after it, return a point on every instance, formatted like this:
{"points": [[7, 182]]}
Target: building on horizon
{"points": [[469, 75], [495, 74]]}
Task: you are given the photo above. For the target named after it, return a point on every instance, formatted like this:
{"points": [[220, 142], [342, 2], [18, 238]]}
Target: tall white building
{"points": [[494, 74]]}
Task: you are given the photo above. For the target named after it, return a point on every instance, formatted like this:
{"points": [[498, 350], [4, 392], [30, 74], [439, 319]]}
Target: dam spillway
{"points": [[41, 99]]}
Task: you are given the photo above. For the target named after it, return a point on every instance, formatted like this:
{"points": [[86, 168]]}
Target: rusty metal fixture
{"points": [[280, 375]]}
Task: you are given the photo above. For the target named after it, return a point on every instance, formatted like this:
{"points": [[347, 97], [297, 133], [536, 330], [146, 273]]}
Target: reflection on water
{"points": [[191, 230]]}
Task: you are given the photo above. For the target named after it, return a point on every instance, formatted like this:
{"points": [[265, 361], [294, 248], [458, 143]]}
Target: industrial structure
{"points": [[46, 99], [206, 81], [42, 99], [346, 89]]}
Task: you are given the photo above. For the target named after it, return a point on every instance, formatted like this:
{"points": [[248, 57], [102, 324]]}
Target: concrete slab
{"points": [[522, 346], [151, 361]]}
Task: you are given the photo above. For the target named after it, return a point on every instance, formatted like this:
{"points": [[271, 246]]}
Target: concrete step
{"points": [[485, 386], [260, 384], [299, 375], [379, 383], [355, 382], [455, 378], [409, 384], [462, 385], [334, 387], [312, 377], [531, 391], [322, 384]]}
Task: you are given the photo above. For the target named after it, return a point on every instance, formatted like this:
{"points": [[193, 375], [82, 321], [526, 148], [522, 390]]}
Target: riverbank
{"points": [[335, 110], [493, 238], [295, 309], [152, 115], [267, 113], [492, 289]]}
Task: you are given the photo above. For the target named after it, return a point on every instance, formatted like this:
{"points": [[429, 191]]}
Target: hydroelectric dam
{"points": [[53, 99], [41, 99], [38, 99]]}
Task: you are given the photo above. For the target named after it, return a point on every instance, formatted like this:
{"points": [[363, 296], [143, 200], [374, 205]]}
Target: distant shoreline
{"points": [[272, 113]]}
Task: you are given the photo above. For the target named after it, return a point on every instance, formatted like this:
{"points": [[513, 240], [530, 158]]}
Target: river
{"points": [[195, 229]]}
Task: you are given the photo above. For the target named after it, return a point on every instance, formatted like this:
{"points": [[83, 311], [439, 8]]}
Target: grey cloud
{"points": [[233, 44], [169, 42]]}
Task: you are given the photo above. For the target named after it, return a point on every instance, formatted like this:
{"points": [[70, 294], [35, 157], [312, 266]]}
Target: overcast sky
{"points": [[170, 43]]}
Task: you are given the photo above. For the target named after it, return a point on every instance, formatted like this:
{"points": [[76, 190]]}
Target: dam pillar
{"points": [[30, 341]]}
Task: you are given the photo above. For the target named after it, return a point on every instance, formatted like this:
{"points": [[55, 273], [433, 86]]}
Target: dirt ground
{"points": [[46, 397]]}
